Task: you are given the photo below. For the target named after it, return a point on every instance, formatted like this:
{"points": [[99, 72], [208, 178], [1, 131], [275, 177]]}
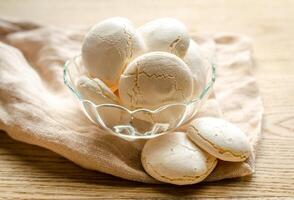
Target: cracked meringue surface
{"points": [[173, 158], [155, 79], [166, 34], [108, 47], [220, 138]]}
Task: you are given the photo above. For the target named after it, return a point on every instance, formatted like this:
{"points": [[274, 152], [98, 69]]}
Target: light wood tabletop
{"points": [[30, 172]]}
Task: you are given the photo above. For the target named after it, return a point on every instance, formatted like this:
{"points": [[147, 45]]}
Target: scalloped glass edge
{"points": [[69, 83]]}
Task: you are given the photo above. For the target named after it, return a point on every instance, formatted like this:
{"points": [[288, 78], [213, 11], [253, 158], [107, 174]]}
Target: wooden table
{"points": [[29, 172]]}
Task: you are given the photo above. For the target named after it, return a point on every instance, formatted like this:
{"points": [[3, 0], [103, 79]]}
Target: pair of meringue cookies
{"points": [[183, 158], [154, 65]]}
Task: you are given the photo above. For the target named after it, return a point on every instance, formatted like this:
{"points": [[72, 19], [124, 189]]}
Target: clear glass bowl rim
{"points": [[206, 89]]}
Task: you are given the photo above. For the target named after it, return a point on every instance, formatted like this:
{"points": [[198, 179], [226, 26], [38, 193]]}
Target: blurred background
{"points": [[258, 19], [210, 15]]}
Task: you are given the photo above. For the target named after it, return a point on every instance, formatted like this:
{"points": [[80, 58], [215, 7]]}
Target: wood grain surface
{"points": [[29, 172]]}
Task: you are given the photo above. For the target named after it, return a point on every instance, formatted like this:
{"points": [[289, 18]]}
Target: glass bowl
{"points": [[139, 123]]}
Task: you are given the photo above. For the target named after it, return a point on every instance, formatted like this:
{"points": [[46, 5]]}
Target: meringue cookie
{"points": [[155, 79], [108, 47], [173, 158], [220, 138], [195, 62], [166, 34], [98, 93]]}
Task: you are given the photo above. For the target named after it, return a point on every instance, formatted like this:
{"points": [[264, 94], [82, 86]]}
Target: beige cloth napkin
{"points": [[36, 107]]}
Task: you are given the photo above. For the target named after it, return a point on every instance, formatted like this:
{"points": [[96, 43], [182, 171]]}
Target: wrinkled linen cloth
{"points": [[37, 108]]}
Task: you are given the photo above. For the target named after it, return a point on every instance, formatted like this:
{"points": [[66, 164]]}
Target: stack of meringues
{"points": [[155, 65]]}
